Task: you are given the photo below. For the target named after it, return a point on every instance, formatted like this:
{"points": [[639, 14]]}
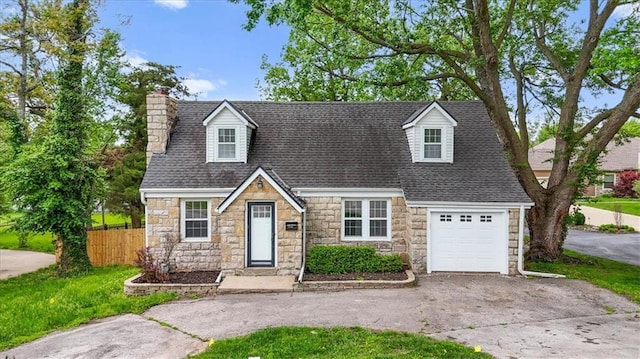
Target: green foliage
{"points": [[631, 128], [612, 228], [337, 342], [576, 217], [621, 278], [350, 259], [38, 303], [636, 186], [53, 182], [547, 131]]}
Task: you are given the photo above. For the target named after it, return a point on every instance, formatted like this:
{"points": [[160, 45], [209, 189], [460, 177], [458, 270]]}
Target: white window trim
{"points": [[365, 220], [443, 135], [612, 184], [216, 129], [183, 226]]}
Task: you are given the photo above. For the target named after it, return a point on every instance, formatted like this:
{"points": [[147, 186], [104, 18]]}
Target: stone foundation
{"points": [[182, 290]]}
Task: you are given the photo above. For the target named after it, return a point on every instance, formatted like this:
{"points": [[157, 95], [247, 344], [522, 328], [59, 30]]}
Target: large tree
{"points": [[53, 182], [519, 58], [126, 165]]}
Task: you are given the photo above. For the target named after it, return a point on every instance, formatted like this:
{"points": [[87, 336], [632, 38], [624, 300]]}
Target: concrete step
{"points": [[257, 271], [256, 284]]}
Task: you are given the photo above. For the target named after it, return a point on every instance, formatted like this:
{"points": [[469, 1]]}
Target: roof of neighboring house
{"points": [[343, 145], [616, 158]]}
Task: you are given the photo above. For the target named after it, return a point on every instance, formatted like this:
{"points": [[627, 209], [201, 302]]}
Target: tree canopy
{"points": [[519, 58]]}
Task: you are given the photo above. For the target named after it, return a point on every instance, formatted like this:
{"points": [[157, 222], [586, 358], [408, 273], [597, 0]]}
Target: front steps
{"points": [[256, 284]]}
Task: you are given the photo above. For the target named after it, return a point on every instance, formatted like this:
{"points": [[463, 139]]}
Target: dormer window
{"points": [[429, 132], [229, 131], [432, 143], [227, 143]]}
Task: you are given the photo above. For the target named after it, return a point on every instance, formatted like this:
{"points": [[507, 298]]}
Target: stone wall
{"points": [[163, 220], [514, 215], [324, 225], [416, 220], [232, 224]]}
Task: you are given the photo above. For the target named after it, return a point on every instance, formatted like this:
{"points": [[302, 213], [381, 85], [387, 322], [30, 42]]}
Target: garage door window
{"points": [[485, 218], [365, 219], [465, 218]]}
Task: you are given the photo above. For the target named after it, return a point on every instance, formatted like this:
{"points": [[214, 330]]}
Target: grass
{"points": [[35, 304], [627, 205], [338, 342], [621, 278], [43, 242]]}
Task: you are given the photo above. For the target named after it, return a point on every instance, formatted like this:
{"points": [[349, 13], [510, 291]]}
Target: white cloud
{"points": [[627, 10], [200, 88], [135, 60], [172, 4]]}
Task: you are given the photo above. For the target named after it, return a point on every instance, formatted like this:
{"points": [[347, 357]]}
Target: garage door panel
{"points": [[468, 241]]}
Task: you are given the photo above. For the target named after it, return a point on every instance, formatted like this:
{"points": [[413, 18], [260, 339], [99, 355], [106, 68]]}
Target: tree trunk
{"points": [[136, 221], [546, 221], [73, 254]]}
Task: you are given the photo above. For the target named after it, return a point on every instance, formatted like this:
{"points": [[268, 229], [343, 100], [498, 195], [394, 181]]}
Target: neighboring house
{"points": [[256, 184], [617, 158]]}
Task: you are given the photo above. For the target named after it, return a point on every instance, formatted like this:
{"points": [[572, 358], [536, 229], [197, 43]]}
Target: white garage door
{"points": [[468, 242]]}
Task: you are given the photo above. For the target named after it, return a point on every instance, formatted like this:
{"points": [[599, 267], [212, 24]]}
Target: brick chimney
{"points": [[162, 111]]}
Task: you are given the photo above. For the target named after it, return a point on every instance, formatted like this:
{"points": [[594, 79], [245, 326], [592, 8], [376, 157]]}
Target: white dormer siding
{"points": [[430, 135], [228, 134]]}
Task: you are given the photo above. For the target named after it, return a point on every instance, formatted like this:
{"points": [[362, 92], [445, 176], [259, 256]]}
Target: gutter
{"points": [[521, 270]]}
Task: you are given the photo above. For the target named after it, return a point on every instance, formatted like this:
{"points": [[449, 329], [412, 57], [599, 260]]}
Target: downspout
{"points": [[304, 241], [521, 270], [143, 199]]}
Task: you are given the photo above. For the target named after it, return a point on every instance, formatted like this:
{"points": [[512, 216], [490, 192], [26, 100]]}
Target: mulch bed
{"points": [[355, 276], [196, 277]]}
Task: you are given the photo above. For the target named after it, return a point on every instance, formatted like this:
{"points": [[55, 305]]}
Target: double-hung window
{"points": [[432, 143], [227, 143], [195, 220], [366, 219], [608, 179]]}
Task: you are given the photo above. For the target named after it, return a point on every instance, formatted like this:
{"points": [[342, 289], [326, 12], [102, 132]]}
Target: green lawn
{"points": [[627, 205], [35, 304], [290, 342], [618, 277], [44, 242]]}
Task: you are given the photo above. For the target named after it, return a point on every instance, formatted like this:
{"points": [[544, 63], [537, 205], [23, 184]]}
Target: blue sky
{"points": [[205, 38]]}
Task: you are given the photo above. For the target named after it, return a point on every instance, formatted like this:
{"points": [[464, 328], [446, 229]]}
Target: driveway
{"points": [[508, 317], [596, 217], [14, 263], [618, 247]]}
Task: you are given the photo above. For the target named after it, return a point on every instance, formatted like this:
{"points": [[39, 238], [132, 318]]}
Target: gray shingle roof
{"points": [[343, 145], [617, 157]]}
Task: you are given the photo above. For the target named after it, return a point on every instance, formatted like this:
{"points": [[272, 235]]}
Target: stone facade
{"points": [[324, 225], [232, 226], [163, 220], [227, 249]]}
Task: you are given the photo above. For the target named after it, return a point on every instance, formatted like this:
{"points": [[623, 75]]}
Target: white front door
{"points": [[468, 242], [261, 235]]}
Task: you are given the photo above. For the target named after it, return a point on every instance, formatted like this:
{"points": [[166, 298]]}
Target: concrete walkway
{"points": [[507, 317], [256, 284], [14, 263], [597, 217]]}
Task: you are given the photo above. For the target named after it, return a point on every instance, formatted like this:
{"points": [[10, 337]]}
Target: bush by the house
{"points": [[350, 259], [624, 184], [615, 229]]}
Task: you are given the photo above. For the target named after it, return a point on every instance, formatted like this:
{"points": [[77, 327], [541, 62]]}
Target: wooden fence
{"points": [[114, 246]]}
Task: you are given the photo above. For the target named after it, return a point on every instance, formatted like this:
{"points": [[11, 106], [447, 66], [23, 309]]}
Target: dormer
{"points": [[429, 133], [229, 131]]}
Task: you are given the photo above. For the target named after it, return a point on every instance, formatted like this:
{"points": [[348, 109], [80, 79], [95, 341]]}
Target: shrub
{"points": [[615, 229], [350, 259], [624, 184], [576, 217]]}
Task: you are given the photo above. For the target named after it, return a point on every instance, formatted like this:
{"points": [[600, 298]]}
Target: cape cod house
{"points": [[256, 184]]}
